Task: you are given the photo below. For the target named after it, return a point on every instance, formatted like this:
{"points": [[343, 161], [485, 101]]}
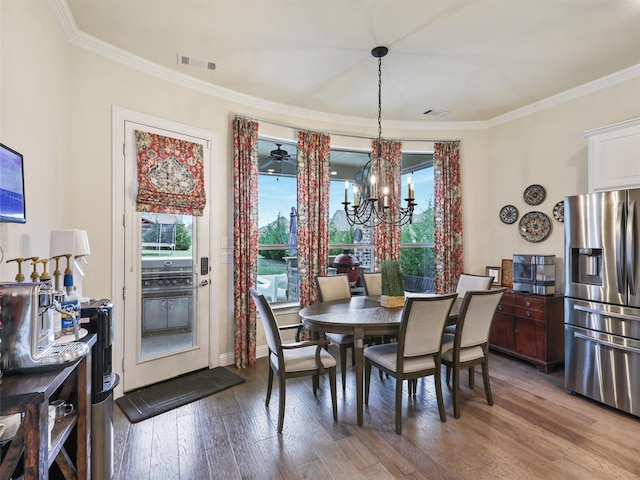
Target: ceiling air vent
{"points": [[432, 112], [196, 62]]}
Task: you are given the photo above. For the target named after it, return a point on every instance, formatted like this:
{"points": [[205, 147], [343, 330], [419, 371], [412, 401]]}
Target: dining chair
{"points": [[336, 287], [372, 283], [296, 359], [466, 282], [469, 346], [416, 354]]}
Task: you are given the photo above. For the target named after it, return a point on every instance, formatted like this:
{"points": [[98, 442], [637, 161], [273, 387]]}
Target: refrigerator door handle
{"points": [[604, 343], [631, 247], [619, 238]]}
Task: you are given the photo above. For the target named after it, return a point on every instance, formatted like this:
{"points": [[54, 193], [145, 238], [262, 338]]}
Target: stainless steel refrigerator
{"points": [[602, 298]]}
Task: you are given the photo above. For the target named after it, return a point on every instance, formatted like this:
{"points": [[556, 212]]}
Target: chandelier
{"points": [[375, 204]]}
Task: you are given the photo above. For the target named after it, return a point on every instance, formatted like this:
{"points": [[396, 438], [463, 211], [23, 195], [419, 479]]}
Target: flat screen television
{"points": [[12, 204]]}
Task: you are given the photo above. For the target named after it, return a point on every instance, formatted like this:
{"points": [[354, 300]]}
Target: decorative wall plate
{"points": [[534, 226], [534, 194], [508, 214], [558, 211], [357, 235]]}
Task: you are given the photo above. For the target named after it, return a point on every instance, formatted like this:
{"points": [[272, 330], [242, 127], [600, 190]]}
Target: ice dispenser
{"points": [[586, 266]]}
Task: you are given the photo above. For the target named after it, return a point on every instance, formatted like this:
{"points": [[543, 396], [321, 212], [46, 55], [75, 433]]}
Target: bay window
{"points": [[277, 204]]}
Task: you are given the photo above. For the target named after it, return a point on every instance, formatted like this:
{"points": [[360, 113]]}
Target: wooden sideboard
{"points": [[530, 327], [30, 394]]}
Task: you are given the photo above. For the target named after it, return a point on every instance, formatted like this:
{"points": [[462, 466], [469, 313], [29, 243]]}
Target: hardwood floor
{"points": [[535, 430]]}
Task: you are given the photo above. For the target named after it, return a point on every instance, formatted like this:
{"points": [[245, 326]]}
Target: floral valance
{"points": [[170, 175]]}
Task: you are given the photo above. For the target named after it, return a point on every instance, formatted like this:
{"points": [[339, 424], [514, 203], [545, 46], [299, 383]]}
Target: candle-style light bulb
{"points": [[385, 197], [346, 191], [355, 195], [410, 187], [373, 187]]}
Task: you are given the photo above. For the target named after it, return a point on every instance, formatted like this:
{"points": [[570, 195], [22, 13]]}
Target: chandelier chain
{"points": [[379, 100]]}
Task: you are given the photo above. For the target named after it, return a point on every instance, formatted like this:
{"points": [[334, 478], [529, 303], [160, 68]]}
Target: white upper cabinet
{"points": [[614, 156]]}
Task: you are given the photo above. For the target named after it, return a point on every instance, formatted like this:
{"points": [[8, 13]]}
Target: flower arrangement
{"points": [[392, 284]]}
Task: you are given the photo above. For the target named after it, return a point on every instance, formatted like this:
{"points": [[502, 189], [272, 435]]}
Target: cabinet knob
{"points": [[528, 313], [500, 307], [528, 303]]}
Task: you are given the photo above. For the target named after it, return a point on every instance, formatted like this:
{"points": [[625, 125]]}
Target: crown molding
{"points": [[88, 42]]}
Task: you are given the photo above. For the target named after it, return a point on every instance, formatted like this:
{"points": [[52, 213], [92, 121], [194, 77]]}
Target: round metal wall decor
{"points": [[534, 227], [534, 194], [558, 211], [508, 214]]}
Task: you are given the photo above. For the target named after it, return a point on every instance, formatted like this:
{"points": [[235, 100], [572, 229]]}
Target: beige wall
{"points": [[34, 120], [56, 104]]}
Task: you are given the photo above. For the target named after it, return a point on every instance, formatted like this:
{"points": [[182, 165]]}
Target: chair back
{"points": [[468, 281], [372, 283], [268, 320], [422, 324], [333, 287], [476, 315]]}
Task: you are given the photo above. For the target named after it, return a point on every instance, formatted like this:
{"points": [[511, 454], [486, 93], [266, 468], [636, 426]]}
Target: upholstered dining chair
{"points": [[336, 287], [296, 359], [416, 353], [372, 283], [469, 346], [466, 282]]}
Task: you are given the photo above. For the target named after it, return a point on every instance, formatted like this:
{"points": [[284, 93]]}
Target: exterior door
{"points": [[166, 280]]}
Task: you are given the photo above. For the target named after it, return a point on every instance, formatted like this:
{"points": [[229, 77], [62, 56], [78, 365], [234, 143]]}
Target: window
{"points": [[277, 203]]}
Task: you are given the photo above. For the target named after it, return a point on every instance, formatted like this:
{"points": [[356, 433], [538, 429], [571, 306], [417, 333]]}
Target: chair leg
{"points": [[334, 402], [282, 393], [367, 380], [269, 386], [472, 376], [315, 379], [487, 385], [399, 383], [343, 366], [448, 375], [438, 379], [456, 392]]}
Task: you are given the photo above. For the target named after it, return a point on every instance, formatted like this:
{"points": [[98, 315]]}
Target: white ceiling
{"points": [[477, 59]]}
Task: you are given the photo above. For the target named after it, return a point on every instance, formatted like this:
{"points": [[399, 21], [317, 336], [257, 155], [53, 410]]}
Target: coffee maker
{"points": [[26, 331]]}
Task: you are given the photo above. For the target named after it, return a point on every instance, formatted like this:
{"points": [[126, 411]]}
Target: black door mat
{"points": [[155, 399]]}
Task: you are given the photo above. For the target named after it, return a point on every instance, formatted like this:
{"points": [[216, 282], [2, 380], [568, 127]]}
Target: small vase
{"points": [[392, 301]]}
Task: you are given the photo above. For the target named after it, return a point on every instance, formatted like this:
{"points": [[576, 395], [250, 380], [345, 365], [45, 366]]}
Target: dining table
{"points": [[359, 316]]}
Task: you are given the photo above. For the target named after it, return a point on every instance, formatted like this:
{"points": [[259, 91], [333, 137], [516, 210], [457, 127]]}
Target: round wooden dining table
{"points": [[359, 316]]}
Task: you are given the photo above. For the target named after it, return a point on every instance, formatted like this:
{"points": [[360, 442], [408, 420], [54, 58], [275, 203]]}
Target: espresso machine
{"points": [[26, 333]]}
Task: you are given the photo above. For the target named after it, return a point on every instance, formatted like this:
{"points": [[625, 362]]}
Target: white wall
{"points": [[34, 99], [56, 101]]}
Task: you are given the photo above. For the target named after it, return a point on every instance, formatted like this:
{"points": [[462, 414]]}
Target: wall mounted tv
{"points": [[12, 205]]}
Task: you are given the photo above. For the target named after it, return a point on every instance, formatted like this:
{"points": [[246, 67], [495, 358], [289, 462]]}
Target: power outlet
{"points": [[227, 257], [227, 242]]}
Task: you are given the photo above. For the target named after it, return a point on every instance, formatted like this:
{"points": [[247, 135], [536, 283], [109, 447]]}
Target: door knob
{"points": [[204, 283]]}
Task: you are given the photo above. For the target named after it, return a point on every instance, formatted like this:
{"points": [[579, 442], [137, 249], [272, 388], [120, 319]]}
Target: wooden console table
{"points": [[30, 394], [530, 327]]}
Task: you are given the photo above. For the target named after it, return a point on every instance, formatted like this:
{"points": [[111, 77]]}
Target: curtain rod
{"points": [[339, 134]]}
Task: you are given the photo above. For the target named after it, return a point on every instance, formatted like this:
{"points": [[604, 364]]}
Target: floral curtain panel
{"points": [[313, 212], [386, 238], [170, 175], [245, 238], [448, 216]]}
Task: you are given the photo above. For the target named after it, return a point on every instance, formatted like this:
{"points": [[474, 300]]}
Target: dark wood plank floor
{"points": [[535, 430]]}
